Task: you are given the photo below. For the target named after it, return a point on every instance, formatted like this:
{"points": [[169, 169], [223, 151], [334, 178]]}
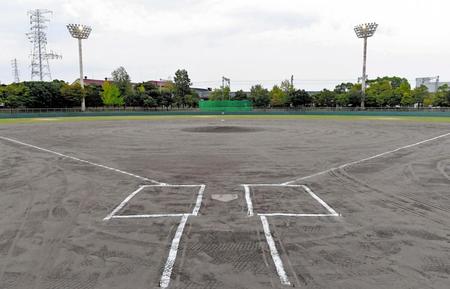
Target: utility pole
{"points": [[225, 82], [15, 70], [40, 66], [292, 81], [365, 31]]}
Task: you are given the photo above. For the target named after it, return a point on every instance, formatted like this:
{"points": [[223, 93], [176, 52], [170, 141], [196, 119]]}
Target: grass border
{"points": [[435, 119]]}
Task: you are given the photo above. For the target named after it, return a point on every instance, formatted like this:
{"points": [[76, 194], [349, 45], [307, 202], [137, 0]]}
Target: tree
{"points": [[16, 95], [419, 94], [240, 95], [222, 93], [342, 99], [44, 94], [137, 97], [259, 96], [287, 87], [2, 95], [354, 96], [121, 78], [394, 81], [277, 96], [93, 95], [381, 93], [111, 95], [343, 87], [149, 101], [72, 94], [407, 100], [325, 98], [166, 98], [442, 96], [300, 98], [182, 85], [192, 99]]}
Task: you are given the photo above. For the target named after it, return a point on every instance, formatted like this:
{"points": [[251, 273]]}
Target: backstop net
{"points": [[225, 105]]}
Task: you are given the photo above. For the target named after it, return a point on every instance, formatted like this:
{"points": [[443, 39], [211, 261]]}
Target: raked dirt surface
{"points": [[393, 231]]}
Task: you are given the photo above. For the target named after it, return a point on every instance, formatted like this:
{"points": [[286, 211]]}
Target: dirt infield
{"points": [[60, 181]]}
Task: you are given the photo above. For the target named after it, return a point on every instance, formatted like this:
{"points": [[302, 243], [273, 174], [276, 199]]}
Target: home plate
{"points": [[224, 197]]}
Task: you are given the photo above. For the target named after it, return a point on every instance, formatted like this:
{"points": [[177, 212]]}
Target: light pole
{"points": [[80, 32], [365, 31]]}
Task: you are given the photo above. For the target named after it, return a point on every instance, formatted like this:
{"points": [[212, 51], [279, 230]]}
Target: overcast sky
{"points": [[249, 41]]}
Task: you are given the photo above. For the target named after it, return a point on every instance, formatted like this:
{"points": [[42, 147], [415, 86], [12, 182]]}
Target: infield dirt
{"points": [[393, 231]]}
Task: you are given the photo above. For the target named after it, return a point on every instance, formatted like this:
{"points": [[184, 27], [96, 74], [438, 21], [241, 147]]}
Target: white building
{"points": [[432, 83]]}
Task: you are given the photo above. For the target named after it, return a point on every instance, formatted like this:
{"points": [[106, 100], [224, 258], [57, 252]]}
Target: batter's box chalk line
{"points": [[170, 262], [276, 258], [113, 214], [251, 212]]}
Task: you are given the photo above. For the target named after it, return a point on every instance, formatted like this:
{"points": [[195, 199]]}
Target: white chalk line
{"points": [[165, 277], [250, 211], [146, 216], [248, 199], [274, 252], [271, 243], [123, 203], [169, 185], [297, 215], [198, 203], [167, 272], [366, 159], [81, 160], [322, 202]]}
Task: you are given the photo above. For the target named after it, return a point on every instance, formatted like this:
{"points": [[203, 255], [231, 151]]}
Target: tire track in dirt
{"points": [[52, 245], [393, 200], [25, 217]]}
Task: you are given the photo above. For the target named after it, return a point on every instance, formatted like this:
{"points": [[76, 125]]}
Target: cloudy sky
{"points": [[249, 41]]}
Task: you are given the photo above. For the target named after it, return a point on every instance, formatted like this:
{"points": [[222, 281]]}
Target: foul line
{"points": [[81, 160], [165, 278], [248, 199], [366, 159], [274, 252]]}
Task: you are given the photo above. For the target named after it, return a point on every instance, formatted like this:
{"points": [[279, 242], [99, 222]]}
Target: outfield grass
{"points": [[175, 117]]}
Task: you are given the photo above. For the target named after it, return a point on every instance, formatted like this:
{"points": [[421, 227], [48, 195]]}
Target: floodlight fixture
{"points": [[365, 31], [80, 32]]}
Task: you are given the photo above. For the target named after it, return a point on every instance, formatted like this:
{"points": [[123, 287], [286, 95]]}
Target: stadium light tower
{"points": [[80, 32], [365, 31]]}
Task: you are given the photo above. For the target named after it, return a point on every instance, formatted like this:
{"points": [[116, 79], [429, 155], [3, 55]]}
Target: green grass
{"points": [[200, 117]]}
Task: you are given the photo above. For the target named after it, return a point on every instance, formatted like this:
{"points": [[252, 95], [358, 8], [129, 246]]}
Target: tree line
{"points": [[380, 92], [120, 91]]}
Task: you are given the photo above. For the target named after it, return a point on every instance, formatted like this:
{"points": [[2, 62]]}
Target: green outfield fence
{"points": [[129, 111], [225, 105]]}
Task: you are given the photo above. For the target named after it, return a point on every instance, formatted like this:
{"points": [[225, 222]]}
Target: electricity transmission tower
{"points": [[40, 66], [15, 70]]}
